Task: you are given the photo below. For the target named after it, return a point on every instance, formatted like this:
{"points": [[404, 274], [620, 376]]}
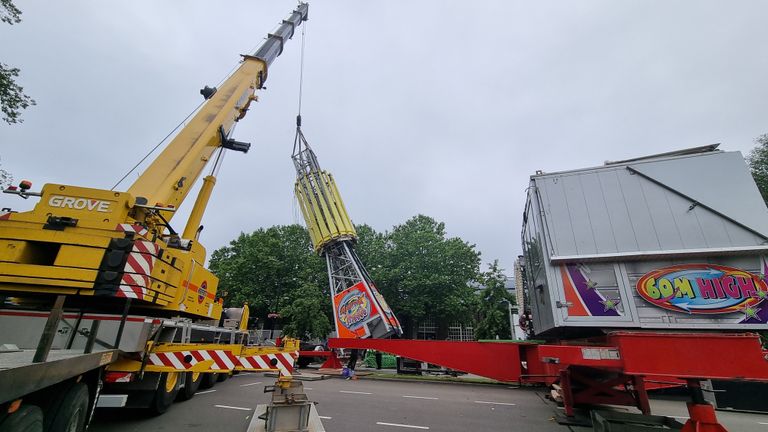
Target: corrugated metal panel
{"points": [[615, 210], [718, 180]]}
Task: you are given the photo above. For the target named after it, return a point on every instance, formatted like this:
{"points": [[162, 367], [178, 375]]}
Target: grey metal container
{"points": [[669, 241]]}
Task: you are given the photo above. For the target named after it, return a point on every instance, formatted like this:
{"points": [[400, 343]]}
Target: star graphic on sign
{"points": [[610, 304], [751, 312], [763, 277], [760, 294], [591, 284]]}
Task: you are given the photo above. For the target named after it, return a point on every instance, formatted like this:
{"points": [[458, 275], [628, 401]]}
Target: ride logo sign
{"points": [[704, 289], [353, 308]]}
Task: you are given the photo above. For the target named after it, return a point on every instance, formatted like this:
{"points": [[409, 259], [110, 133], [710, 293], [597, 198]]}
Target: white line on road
{"points": [[234, 408], [205, 391], [762, 423], [420, 397], [354, 392], [402, 425], [308, 388], [242, 374], [495, 403], [250, 384], [325, 417]]}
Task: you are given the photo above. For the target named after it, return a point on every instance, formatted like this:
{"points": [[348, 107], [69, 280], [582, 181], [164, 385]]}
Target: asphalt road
{"points": [[372, 405]]}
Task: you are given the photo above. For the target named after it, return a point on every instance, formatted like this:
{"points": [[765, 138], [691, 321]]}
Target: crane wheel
{"points": [[68, 410], [166, 392], [192, 381], [223, 376], [28, 418], [209, 380]]}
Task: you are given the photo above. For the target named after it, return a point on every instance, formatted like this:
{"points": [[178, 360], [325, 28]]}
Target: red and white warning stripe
{"points": [[134, 228], [130, 291], [138, 267], [222, 360], [283, 362]]}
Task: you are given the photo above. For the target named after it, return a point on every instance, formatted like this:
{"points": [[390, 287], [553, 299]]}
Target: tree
{"points": [[758, 164], [494, 312], [276, 271], [12, 97], [6, 179], [421, 272]]}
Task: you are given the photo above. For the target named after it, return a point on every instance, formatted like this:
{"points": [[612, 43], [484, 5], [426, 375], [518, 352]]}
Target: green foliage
{"points": [[305, 315], [12, 97], [9, 13], [421, 272], [494, 311], [758, 164], [6, 179], [276, 271]]}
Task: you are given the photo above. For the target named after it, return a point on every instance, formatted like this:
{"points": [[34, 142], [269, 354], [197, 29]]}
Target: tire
{"points": [[28, 418], [68, 411], [209, 380], [303, 362], [166, 392], [192, 382], [223, 376]]}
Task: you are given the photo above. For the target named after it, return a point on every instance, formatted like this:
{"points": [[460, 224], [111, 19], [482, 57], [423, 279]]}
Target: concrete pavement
{"points": [[376, 405]]}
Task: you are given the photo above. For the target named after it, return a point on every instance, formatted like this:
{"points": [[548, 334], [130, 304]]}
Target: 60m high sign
{"points": [[702, 289]]}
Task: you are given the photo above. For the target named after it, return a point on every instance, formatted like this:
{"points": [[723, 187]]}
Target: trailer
{"points": [[676, 241]]}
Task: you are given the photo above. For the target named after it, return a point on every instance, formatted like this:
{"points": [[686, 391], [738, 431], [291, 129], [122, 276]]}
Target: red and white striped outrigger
{"points": [[210, 358], [221, 360]]}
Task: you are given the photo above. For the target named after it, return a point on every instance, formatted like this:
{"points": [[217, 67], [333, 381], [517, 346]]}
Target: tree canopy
{"points": [[420, 271], [494, 313], [12, 97], [758, 164], [276, 271]]}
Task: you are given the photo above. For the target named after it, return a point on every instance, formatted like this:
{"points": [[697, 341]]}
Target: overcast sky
{"points": [[433, 107]]}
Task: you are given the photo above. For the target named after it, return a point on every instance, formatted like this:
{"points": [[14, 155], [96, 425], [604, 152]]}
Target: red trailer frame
{"points": [[615, 369]]}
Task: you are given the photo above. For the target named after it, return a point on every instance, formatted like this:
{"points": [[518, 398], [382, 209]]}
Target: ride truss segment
{"points": [[359, 310]]}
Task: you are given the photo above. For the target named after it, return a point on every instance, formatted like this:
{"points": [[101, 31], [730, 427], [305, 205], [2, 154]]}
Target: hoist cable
{"points": [[172, 131], [301, 67], [156, 146]]}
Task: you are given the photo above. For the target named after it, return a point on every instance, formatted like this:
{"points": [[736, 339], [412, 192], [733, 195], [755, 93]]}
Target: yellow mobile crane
{"points": [[128, 313]]}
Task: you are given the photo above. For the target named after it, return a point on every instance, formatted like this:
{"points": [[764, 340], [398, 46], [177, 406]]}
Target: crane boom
{"points": [[169, 178]]}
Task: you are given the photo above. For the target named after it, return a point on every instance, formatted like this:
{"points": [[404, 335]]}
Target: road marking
{"points": [[242, 374], [354, 392], [325, 417], [308, 388], [495, 403], [233, 407], [402, 425], [250, 384], [206, 391], [420, 397], [762, 423]]}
